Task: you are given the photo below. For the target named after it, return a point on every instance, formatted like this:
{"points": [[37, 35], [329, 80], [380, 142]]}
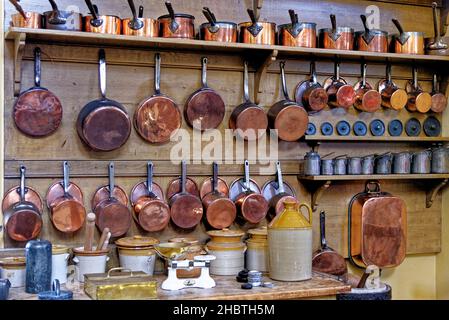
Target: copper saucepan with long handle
{"points": [[137, 25], [221, 31], [151, 210], [101, 23], [255, 32], [418, 99], [407, 42], [393, 97], [367, 99], [310, 93], [372, 40], [65, 201], [339, 38], [176, 25], [340, 93], [24, 19], [220, 210], [297, 34], [61, 19], [439, 99]]}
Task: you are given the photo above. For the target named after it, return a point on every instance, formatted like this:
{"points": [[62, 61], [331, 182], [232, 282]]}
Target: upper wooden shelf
{"points": [[86, 38], [375, 139], [376, 177]]}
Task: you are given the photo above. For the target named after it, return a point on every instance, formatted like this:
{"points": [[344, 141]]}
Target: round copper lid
{"points": [[12, 262], [221, 213], [136, 242], [154, 215], [254, 208]]}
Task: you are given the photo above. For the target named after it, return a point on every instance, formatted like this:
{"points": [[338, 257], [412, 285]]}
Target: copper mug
{"points": [[255, 32], [371, 40], [137, 25], [339, 38], [296, 34], [220, 31], [100, 23], [407, 42], [176, 25]]}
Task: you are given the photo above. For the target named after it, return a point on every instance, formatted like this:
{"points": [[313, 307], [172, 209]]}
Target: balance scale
{"points": [[204, 281]]}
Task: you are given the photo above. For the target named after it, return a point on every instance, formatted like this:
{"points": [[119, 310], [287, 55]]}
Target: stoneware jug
{"points": [[290, 244], [38, 266]]}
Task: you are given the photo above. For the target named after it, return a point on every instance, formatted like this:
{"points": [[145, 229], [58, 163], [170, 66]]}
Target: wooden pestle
{"points": [[106, 242], [90, 230], [102, 240]]}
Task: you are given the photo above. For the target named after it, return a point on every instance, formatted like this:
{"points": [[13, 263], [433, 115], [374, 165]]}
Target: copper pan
{"points": [[310, 93], [340, 93], [101, 23], [297, 34], [393, 97], [418, 99], [138, 25], [255, 32], [220, 210], [176, 25], [220, 31], [367, 99], [407, 42], [371, 40], [62, 20], [24, 19], [339, 38], [439, 99]]}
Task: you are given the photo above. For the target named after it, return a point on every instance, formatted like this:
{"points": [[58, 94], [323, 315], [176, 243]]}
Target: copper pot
{"points": [[24, 19], [393, 97], [367, 99], [100, 23], [407, 42], [371, 40], [439, 99], [340, 93], [296, 34], [310, 93], [62, 20], [418, 100], [339, 38], [255, 32], [137, 25], [221, 31], [176, 25]]}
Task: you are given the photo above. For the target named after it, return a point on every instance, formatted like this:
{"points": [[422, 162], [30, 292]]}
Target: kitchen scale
{"points": [[172, 252]]}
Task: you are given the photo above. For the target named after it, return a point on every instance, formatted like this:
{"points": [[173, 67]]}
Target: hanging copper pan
{"points": [[186, 209], [103, 124], [310, 93], [112, 212], [138, 25], [393, 97], [101, 23], [37, 112], [22, 219], [286, 116], [150, 208], [157, 118], [340, 93], [418, 99], [220, 210], [248, 120], [439, 99], [204, 109], [367, 99], [65, 201]]}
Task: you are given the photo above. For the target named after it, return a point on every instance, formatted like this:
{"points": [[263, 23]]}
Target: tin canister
{"points": [[384, 164], [402, 163], [440, 160], [327, 167], [13, 269], [355, 166], [257, 253], [368, 165], [312, 164], [421, 162], [340, 166]]}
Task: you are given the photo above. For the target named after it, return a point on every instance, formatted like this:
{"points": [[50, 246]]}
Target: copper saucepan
{"points": [[221, 31], [137, 25], [220, 210], [62, 20], [176, 25], [286, 116], [310, 93], [24, 19], [367, 99], [407, 42], [22, 211], [439, 99], [65, 201], [297, 34], [255, 32], [248, 120], [101, 23], [418, 99], [393, 97], [152, 212], [340, 93], [372, 40], [340, 38]]}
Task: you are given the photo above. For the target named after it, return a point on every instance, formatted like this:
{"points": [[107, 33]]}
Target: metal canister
{"points": [[421, 162], [384, 163], [402, 163], [312, 164], [38, 266], [257, 253], [4, 289], [327, 167], [355, 166], [440, 160], [368, 165], [340, 165]]}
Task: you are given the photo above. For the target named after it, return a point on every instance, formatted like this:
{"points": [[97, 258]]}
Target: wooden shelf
{"points": [[376, 177], [375, 139]]}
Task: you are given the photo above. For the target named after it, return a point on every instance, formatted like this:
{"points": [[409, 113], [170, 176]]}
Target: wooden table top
{"points": [[227, 288]]}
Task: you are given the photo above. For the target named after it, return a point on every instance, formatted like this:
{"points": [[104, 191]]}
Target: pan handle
{"points": [[337, 71], [415, 77], [313, 75], [183, 176], [65, 181], [281, 188], [323, 230], [247, 181], [389, 78], [245, 82], [19, 8], [37, 67], [22, 183], [157, 73], [364, 68], [102, 72], [204, 72], [283, 81], [215, 177], [150, 177], [111, 179], [435, 84]]}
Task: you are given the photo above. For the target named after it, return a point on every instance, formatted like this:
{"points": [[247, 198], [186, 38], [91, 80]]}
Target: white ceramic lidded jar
{"points": [[227, 246], [59, 259], [137, 253], [290, 244], [89, 262], [257, 253], [13, 269]]}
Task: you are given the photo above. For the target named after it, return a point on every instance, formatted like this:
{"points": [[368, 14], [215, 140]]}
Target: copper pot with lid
{"points": [[221, 31], [393, 97], [22, 211], [367, 99], [310, 93], [151, 210], [65, 201], [220, 210], [137, 25], [407, 42], [418, 99], [297, 34], [176, 25], [372, 40], [288, 118], [24, 19], [339, 38], [340, 93], [251, 204], [101, 23], [255, 32]]}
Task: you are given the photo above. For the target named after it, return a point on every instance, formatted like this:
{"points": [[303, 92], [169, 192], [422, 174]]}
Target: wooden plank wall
{"points": [[71, 73]]}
